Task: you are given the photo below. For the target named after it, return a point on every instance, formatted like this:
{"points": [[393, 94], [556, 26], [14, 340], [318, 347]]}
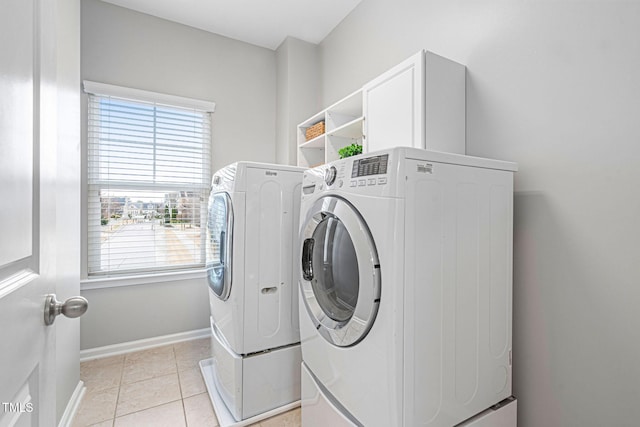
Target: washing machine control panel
{"points": [[370, 166], [365, 175], [363, 171]]}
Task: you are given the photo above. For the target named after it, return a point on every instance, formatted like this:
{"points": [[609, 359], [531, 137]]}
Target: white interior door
{"points": [[28, 140]]}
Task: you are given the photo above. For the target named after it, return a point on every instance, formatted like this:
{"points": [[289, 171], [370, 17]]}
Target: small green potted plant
{"points": [[350, 150]]}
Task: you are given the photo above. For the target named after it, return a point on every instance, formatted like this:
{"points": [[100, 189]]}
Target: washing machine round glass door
{"points": [[340, 271], [220, 244]]}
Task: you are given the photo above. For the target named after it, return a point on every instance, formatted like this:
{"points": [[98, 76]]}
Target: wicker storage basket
{"points": [[315, 130]]}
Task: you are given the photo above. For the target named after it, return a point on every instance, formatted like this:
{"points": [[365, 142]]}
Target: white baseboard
{"points": [[72, 406], [131, 346]]}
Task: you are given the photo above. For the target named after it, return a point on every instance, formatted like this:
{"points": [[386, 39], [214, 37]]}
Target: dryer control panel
{"points": [[370, 166], [362, 174], [363, 169]]}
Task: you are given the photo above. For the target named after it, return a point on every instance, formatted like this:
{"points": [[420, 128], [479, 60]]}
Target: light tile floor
{"points": [[158, 387]]}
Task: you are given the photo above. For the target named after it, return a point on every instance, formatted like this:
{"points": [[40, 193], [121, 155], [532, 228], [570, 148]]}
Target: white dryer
{"points": [[405, 279], [252, 229]]}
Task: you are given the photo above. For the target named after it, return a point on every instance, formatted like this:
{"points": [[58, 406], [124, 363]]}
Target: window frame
{"points": [[171, 101]]}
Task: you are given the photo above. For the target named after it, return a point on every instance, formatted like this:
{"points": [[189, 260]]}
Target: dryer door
{"points": [[220, 244], [340, 280]]}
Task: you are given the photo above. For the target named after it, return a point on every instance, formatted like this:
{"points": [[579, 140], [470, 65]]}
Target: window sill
{"points": [[147, 279]]}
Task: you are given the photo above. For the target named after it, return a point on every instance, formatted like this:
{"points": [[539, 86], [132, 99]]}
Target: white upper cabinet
{"points": [[394, 106], [418, 103], [445, 105]]}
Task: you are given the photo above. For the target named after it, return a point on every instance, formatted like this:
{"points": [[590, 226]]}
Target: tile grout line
{"points": [[184, 410], [120, 385], [113, 417], [146, 409], [115, 410], [147, 379]]}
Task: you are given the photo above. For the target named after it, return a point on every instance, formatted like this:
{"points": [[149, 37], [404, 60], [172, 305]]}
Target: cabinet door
{"points": [[393, 106]]}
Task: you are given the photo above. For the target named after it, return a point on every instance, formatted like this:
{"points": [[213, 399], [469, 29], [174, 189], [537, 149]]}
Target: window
{"points": [[148, 181]]}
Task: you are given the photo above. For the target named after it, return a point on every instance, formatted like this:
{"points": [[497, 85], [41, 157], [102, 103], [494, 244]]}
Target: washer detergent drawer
{"points": [[227, 373], [256, 383]]}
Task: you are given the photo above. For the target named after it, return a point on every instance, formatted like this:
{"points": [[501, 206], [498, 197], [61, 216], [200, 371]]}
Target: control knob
{"points": [[330, 175]]}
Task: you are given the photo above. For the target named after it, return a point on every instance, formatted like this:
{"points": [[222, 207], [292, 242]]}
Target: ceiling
{"points": [[263, 23]]}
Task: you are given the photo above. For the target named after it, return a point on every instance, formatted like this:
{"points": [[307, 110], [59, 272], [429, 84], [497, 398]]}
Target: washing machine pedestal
{"points": [[319, 409], [504, 414], [247, 389]]}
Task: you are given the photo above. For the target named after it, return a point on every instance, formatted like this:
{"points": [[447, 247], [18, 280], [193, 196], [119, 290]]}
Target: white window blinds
{"points": [[148, 177]]}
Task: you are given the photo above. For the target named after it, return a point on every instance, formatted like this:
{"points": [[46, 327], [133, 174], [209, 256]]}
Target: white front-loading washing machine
{"points": [[405, 289], [252, 229]]}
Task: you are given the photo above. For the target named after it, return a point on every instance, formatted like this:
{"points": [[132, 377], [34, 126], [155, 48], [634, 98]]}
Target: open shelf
{"points": [[352, 129], [350, 105], [311, 157], [312, 120], [317, 142], [343, 126]]}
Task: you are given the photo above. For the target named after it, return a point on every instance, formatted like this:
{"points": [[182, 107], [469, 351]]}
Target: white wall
{"points": [[554, 86], [131, 313], [127, 48], [298, 85]]}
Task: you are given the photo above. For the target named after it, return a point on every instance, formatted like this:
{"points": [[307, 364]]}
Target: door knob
{"points": [[73, 307]]}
